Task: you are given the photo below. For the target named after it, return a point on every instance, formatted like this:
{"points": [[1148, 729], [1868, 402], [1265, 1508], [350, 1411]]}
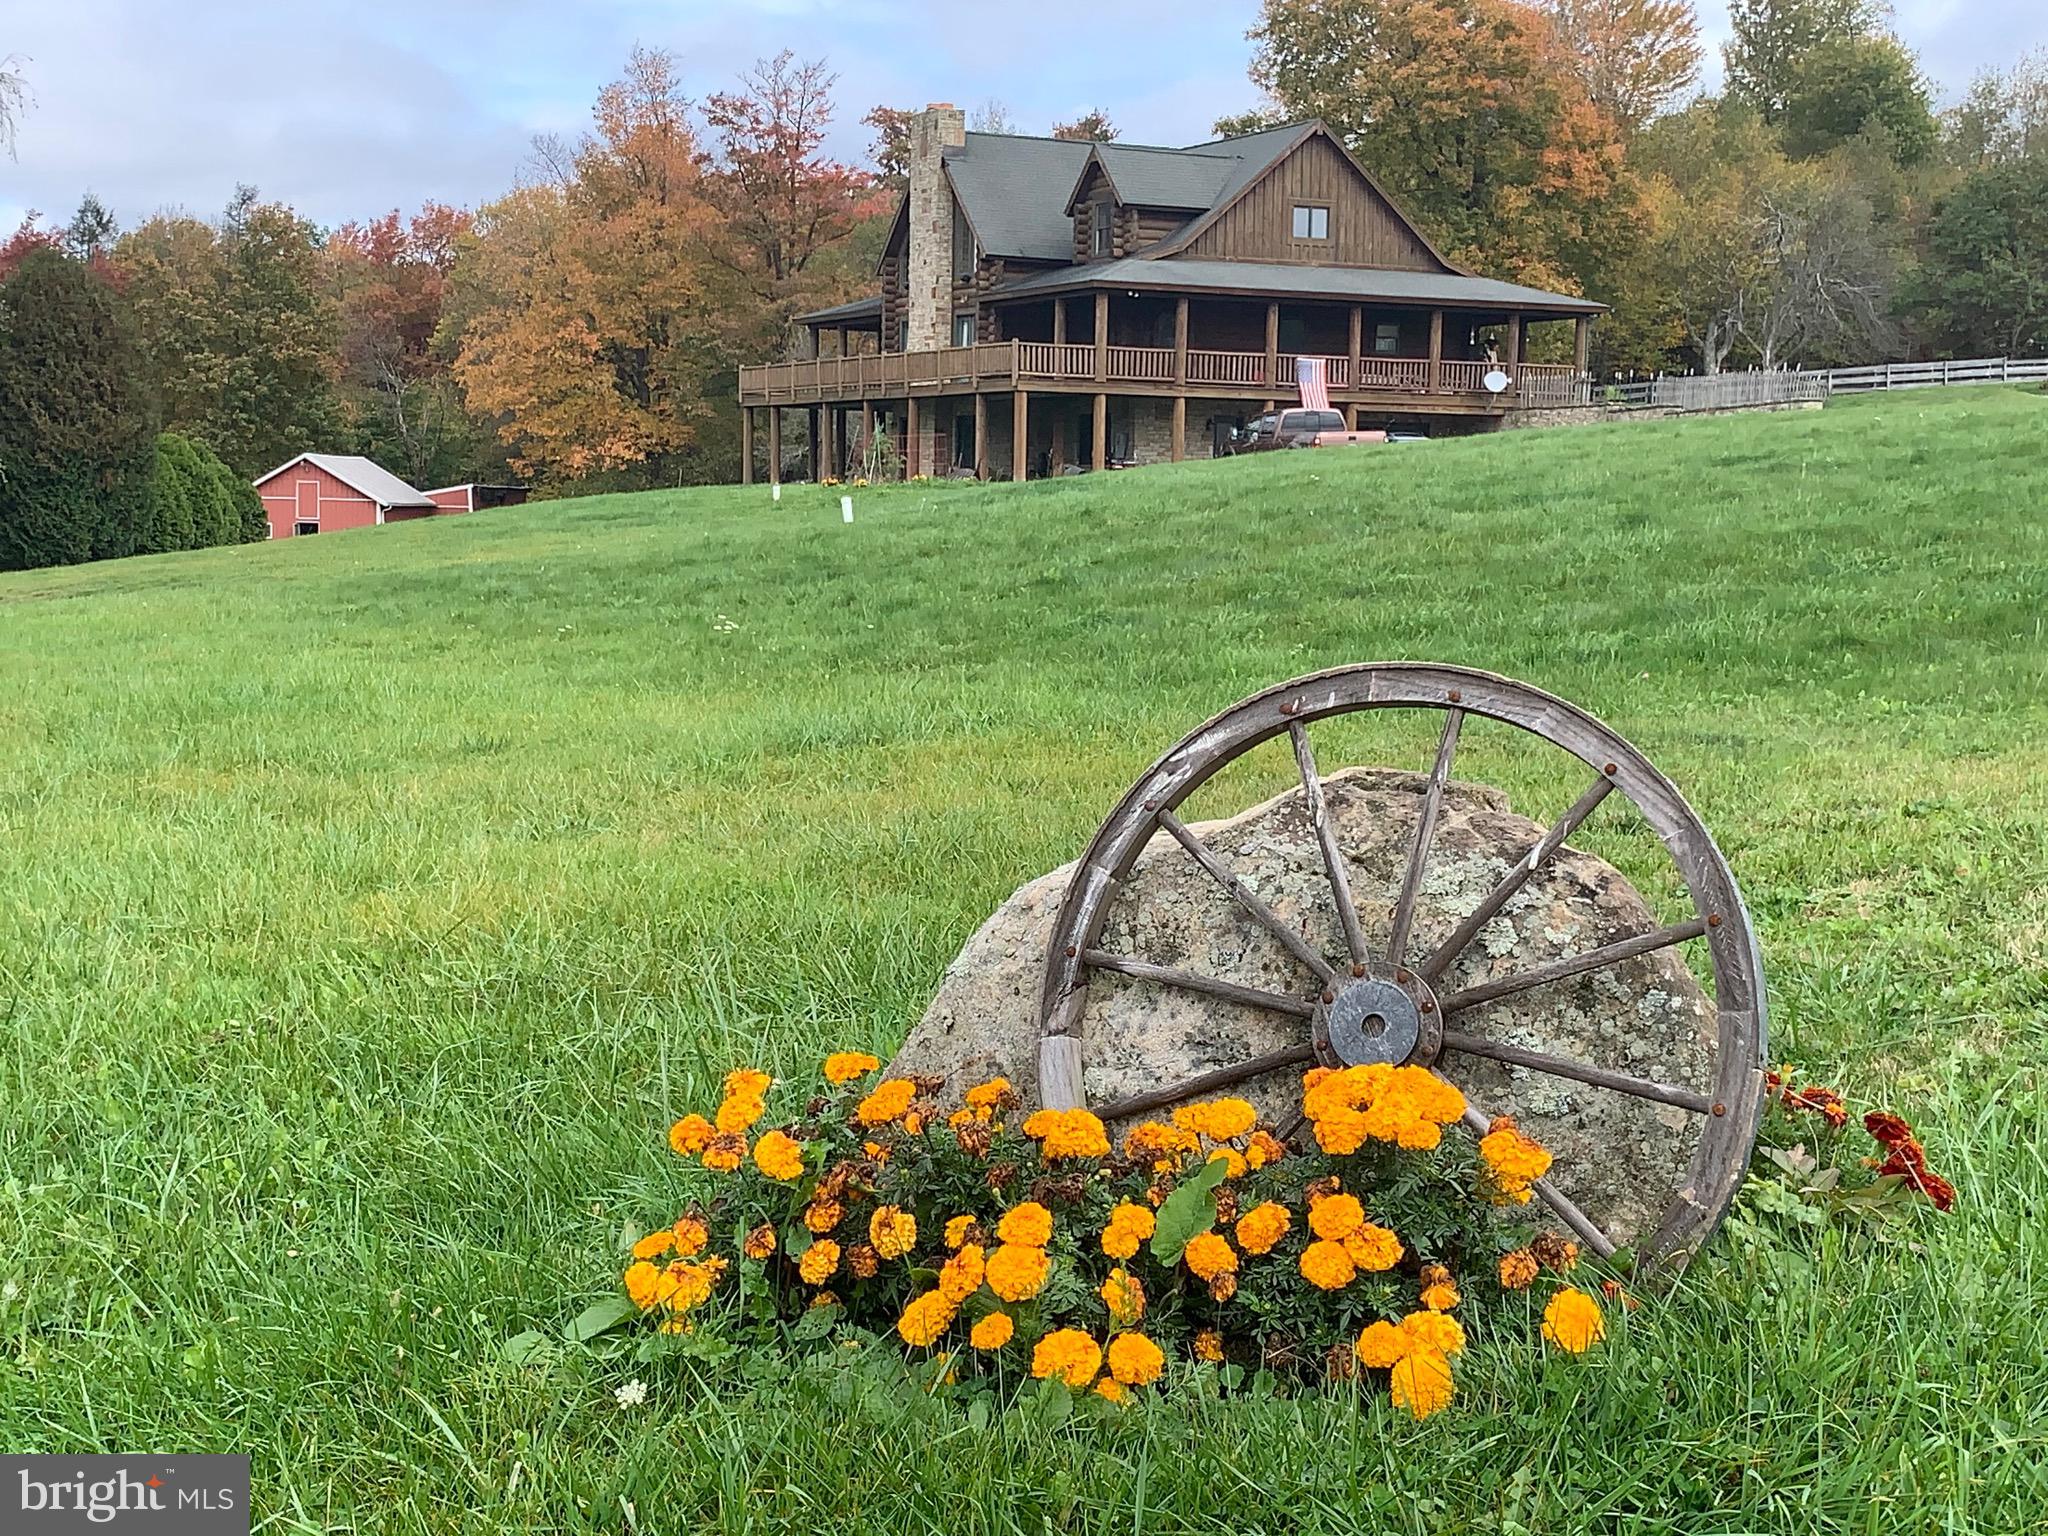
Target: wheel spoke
{"points": [[1574, 965], [1333, 858], [1222, 1077], [1190, 981], [1551, 1195], [1425, 830], [1264, 915], [1559, 1066], [1533, 860]]}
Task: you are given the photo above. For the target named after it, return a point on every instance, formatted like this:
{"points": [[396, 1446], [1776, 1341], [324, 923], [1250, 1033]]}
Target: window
{"points": [[1311, 222], [963, 330], [1386, 338], [1102, 238], [303, 526]]}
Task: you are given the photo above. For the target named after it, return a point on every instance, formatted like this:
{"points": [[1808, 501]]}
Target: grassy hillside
{"points": [[369, 904]]}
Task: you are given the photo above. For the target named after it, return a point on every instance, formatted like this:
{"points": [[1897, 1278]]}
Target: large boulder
{"points": [[1620, 1157]]}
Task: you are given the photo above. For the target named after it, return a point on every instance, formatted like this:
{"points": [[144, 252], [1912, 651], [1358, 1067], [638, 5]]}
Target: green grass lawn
{"points": [[370, 904]]}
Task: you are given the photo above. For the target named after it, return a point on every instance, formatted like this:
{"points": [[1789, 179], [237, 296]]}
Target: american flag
{"points": [[1315, 390]]}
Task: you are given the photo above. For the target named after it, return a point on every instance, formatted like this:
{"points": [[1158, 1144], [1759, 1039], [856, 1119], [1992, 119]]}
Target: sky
{"points": [[348, 108]]}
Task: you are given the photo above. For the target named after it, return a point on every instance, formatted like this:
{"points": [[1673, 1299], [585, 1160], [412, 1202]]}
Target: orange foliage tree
{"points": [[583, 320], [1636, 57]]}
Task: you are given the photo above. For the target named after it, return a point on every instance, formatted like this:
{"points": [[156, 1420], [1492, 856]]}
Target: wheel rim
{"points": [[1399, 988]]}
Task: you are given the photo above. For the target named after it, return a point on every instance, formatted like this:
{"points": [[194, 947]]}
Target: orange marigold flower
{"points": [[1264, 1148], [1887, 1129], [1259, 1228], [1029, 1225], [819, 1262], [992, 1332], [760, 1242], [1513, 1162], [1517, 1270], [1439, 1290], [1209, 1346], [780, 1156], [887, 1103], [688, 1135], [693, 1283], [746, 1083], [1326, 1266], [1232, 1160], [1373, 1248], [1039, 1122], [958, 1229], [1112, 1390], [1209, 1255], [1573, 1321], [739, 1114], [1554, 1253], [1068, 1133], [1017, 1273], [1070, 1355], [1437, 1332], [1217, 1119], [1421, 1383], [1164, 1146], [1135, 1360], [1222, 1286], [986, 1098], [892, 1231], [862, 1262], [643, 1282], [1381, 1344], [654, 1244], [823, 1215], [925, 1319], [688, 1235], [960, 1276], [725, 1152], [1124, 1294], [1336, 1216], [845, 1066], [1129, 1225]]}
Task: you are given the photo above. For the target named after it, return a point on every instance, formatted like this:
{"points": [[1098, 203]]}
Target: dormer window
{"points": [[1102, 232], [1311, 222]]}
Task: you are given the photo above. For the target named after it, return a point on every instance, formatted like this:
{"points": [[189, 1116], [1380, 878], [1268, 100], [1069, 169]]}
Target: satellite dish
{"points": [[1495, 381]]}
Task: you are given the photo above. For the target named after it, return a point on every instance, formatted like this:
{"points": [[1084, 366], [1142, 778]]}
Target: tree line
{"points": [[583, 331]]}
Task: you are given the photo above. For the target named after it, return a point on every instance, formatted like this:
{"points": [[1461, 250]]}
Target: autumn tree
{"points": [[782, 200], [389, 282], [1092, 127], [1636, 58], [579, 313], [1771, 39], [2002, 117], [1472, 114], [889, 149]]}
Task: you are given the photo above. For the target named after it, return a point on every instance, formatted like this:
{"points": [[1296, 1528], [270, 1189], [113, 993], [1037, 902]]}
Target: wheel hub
{"points": [[1375, 1019]]}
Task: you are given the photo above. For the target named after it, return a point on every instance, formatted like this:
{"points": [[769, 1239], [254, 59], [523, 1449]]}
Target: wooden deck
{"points": [[1066, 367]]}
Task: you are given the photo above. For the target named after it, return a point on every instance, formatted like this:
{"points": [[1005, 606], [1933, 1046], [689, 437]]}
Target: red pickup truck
{"points": [[1298, 429]]}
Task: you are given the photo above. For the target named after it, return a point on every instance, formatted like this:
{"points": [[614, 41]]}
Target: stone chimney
{"points": [[928, 284]]}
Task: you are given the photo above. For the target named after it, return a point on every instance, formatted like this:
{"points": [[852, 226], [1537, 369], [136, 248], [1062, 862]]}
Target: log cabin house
{"points": [[1104, 304]]}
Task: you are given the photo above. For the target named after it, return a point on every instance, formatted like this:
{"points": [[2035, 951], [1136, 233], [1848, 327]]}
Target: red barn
{"points": [[323, 492]]}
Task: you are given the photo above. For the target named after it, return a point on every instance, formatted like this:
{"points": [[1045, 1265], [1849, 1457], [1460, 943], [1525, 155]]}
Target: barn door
{"points": [[308, 520]]}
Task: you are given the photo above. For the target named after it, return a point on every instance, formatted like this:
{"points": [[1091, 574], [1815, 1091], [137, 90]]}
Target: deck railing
{"points": [[1002, 364]]}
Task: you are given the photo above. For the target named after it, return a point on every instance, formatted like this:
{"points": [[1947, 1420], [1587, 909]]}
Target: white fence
{"points": [[1716, 391]]}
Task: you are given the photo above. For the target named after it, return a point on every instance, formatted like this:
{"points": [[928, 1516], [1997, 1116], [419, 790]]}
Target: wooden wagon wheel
{"points": [[1376, 1002]]}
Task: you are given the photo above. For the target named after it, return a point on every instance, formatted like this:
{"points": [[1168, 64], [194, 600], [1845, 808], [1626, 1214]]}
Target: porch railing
{"points": [[1004, 364]]}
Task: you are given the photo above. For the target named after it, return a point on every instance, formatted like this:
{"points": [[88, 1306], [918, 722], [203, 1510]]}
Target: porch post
{"points": [[1513, 360], [829, 445], [1063, 407], [1101, 335], [1020, 435], [1582, 343], [1436, 351], [1180, 427], [1180, 341], [1059, 322], [1357, 341], [746, 445], [980, 435], [814, 419], [867, 432], [1273, 343], [775, 445], [910, 448], [1100, 457]]}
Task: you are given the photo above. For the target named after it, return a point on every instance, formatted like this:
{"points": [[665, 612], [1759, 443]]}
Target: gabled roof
{"points": [[1278, 279], [1010, 188], [358, 474], [1158, 178]]}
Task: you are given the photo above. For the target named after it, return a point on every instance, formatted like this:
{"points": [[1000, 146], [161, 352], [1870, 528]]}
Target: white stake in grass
{"points": [[775, 491], [846, 509]]}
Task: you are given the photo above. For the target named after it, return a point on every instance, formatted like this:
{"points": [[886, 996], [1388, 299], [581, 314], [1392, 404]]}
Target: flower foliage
{"points": [[1037, 1245]]}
